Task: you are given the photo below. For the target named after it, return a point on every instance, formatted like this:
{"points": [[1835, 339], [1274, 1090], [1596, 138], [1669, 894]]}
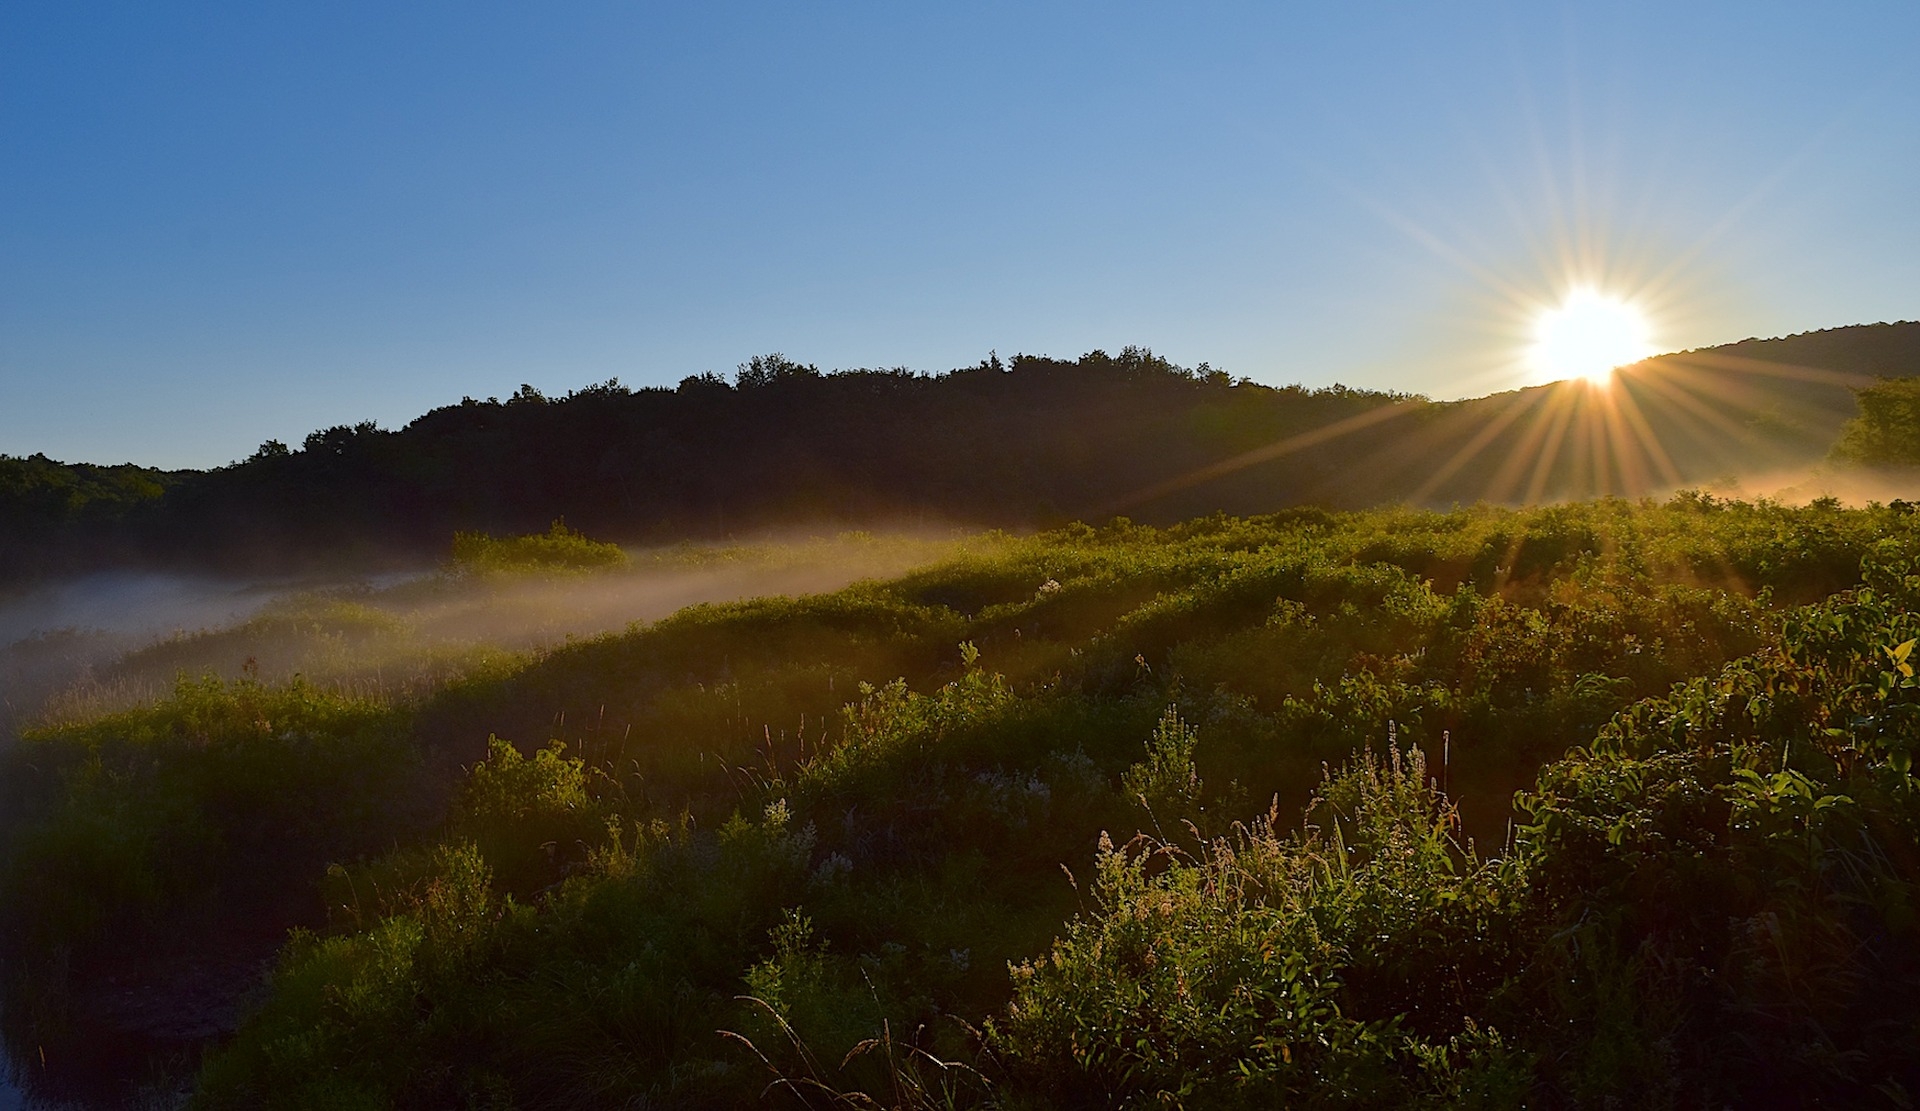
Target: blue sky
{"points": [[224, 223]]}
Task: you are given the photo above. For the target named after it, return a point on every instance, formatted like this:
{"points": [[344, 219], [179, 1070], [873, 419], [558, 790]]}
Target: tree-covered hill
{"points": [[1029, 442]]}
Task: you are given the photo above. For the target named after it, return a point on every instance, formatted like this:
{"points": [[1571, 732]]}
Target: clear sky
{"points": [[221, 223]]}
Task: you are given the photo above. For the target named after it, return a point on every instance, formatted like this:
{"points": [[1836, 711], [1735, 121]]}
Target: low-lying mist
{"points": [[1853, 487], [105, 642]]}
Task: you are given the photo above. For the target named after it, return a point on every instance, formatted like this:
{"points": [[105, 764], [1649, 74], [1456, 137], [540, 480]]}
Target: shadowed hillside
{"points": [[1720, 415], [1031, 442]]}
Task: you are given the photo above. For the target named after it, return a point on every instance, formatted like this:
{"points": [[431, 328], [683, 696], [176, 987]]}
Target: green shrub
{"points": [[1727, 877], [1166, 784], [1339, 966], [532, 819], [558, 550], [1712, 903], [221, 787]]}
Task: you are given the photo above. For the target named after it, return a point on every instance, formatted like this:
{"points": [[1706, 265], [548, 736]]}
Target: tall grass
{"points": [[833, 824]]}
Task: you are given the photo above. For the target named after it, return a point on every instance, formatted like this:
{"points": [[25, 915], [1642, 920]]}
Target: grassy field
{"points": [[102, 645], [1607, 803]]}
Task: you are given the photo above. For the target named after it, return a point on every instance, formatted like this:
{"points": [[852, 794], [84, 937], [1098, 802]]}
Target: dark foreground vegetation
{"points": [[1607, 804], [1024, 443]]}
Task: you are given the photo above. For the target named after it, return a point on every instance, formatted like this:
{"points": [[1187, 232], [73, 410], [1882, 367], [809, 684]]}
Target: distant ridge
{"points": [[1033, 441], [1884, 350], [1706, 416]]}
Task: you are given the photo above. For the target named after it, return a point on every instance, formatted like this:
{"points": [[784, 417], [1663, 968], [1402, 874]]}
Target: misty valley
{"points": [[1048, 733]]}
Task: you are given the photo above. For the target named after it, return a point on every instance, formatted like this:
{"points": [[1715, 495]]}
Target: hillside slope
{"points": [[1735, 412], [1031, 442], [856, 807]]}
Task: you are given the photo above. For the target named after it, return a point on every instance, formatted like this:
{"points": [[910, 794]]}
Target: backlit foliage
{"points": [[1276, 757]]}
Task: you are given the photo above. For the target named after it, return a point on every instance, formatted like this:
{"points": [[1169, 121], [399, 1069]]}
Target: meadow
{"points": [[1606, 803]]}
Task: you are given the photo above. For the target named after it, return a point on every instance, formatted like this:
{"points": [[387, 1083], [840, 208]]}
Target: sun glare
{"points": [[1588, 335]]}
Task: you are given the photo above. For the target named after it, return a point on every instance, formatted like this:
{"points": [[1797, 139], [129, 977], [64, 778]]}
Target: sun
{"points": [[1588, 335]]}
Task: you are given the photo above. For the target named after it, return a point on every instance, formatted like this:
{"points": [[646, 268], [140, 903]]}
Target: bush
{"points": [[559, 550], [532, 819], [1339, 966], [1711, 904], [1725, 879], [235, 788]]}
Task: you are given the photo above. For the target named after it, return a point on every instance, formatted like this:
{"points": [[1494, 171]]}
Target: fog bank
{"points": [[103, 642]]}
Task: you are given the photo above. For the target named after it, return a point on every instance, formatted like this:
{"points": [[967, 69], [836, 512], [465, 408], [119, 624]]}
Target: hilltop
{"points": [[1028, 442]]}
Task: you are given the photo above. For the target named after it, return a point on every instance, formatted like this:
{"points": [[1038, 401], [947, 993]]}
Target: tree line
{"points": [[1033, 441]]}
